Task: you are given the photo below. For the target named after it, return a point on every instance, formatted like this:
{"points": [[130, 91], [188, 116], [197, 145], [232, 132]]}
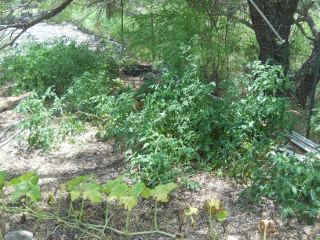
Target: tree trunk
{"points": [[304, 78], [280, 15]]}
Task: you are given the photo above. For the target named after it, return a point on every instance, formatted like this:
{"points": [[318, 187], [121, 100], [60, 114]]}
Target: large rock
{"points": [[19, 235]]}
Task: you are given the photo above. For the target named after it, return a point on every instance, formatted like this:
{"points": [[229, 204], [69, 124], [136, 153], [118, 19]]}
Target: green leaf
{"points": [[107, 187], [34, 179], [146, 193], [160, 192], [3, 175], [20, 190], [63, 187], [145, 145], [24, 177], [313, 195], [294, 190], [118, 191], [35, 194], [221, 215], [137, 189], [171, 186], [129, 202], [299, 170], [213, 203], [27, 176], [79, 180], [191, 211], [74, 195], [92, 191]]}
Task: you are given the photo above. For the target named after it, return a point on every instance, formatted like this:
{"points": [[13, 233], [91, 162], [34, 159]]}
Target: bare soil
{"points": [[90, 155]]}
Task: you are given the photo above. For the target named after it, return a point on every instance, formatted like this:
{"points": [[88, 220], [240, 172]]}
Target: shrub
{"points": [[40, 124], [301, 195], [37, 66], [180, 126]]}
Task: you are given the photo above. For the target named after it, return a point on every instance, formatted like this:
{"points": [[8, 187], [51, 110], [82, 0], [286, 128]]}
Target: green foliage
{"points": [[257, 117], [26, 184], [95, 93], [128, 196], [315, 122], [156, 130], [37, 66], [203, 32], [84, 79], [42, 112], [301, 195], [90, 190], [180, 124], [3, 175]]}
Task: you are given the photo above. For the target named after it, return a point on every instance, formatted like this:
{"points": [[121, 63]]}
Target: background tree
{"points": [[172, 31], [281, 16], [16, 18]]}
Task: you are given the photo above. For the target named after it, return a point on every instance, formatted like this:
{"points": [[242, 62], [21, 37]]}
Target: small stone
{"points": [[232, 238], [19, 235]]}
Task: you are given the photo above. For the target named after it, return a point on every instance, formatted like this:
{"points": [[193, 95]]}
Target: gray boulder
{"points": [[19, 235]]}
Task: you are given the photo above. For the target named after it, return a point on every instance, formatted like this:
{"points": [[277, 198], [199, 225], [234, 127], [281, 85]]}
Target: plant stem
{"points": [[59, 206], [265, 233], [69, 211], [211, 225], [155, 216], [81, 209], [39, 215], [127, 224], [4, 206], [106, 216], [150, 232]]}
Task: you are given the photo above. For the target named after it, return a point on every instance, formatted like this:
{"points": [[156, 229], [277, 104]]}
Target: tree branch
{"points": [[25, 26], [304, 32], [304, 16]]}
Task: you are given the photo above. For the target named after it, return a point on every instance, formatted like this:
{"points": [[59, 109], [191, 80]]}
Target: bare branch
{"points": [[18, 7], [304, 16], [304, 32], [25, 26]]}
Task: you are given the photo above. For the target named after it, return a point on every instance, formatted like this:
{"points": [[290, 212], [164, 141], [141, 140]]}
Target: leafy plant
{"points": [[37, 66], [116, 189], [26, 184], [40, 125], [180, 124], [90, 190], [3, 175], [300, 198], [215, 208]]}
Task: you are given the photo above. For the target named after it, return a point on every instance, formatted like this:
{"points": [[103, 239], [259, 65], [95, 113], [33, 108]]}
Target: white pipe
{"points": [[282, 41]]}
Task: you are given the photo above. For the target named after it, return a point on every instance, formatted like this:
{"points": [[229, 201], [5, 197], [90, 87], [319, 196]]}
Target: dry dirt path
{"points": [[90, 155], [44, 31]]}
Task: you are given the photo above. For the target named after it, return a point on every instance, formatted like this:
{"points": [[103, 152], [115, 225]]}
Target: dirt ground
{"points": [[90, 155]]}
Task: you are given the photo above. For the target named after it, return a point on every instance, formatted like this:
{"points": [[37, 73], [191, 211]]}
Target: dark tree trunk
{"points": [[304, 79], [280, 15]]}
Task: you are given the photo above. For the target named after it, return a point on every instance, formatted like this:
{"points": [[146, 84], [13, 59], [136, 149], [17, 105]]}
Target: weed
{"points": [[37, 66], [215, 207], [300, 197]]}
